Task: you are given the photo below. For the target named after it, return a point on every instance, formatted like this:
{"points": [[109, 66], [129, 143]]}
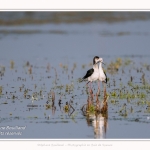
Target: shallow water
{"points": [[53, 51]]}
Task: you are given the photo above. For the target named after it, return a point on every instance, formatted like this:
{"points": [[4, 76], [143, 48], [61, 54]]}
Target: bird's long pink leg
{"points": [[98, 85], [90, 89], [87, 84], [90, 85], [98, 91]]}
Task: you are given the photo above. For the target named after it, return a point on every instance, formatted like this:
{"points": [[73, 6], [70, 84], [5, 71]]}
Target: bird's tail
{"points": [[80, 79]]}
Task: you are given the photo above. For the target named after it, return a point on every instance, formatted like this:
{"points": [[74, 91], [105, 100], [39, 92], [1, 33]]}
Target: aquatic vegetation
{"points": [[66, 108], [58, 94], [113, 94], [30, 70], [12, 63], [1, 90], [114, 66], [91, 109], [2, 70], [127, 62], [95, 107], [48, 106], [83, 66]]}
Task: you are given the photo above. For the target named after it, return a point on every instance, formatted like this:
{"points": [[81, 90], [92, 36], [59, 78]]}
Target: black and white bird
{"points": [[102, 74], [92, 74], [96, 73]]}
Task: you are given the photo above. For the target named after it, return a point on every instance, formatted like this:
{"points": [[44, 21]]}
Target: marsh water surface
{"points": [[39, 61]]}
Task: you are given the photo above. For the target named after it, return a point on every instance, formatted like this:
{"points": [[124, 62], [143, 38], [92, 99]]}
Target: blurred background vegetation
{"points": [[40, 17]]}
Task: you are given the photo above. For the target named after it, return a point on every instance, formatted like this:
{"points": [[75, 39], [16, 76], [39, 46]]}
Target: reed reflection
{"points": [[96, 112]]}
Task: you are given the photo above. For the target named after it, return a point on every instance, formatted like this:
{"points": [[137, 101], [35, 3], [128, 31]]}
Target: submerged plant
{"points": [[12, 63], [66, 107], [91, 109], [1, 90]]}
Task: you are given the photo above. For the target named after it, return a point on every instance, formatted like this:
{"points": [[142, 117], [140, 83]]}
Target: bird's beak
{"points": [[99, 62]]}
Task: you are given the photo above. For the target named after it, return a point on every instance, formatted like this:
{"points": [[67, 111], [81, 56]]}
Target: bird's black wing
{"points": [[106, 77], [89, 73]]}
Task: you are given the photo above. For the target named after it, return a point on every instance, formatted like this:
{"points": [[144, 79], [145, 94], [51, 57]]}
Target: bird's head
{"points": [[99, 60], [95, 60]]}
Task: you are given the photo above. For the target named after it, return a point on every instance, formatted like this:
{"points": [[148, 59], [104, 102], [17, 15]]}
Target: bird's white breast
{"points": [[102, 76], [94, 76]]}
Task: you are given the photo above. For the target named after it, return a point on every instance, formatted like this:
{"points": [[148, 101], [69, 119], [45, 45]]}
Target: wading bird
{"points": [[92, 74], [102, 74], [96, 73]]}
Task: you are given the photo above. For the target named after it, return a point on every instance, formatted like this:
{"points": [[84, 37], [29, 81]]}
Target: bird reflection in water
{"points": [[96, 112], [99, 123]]}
